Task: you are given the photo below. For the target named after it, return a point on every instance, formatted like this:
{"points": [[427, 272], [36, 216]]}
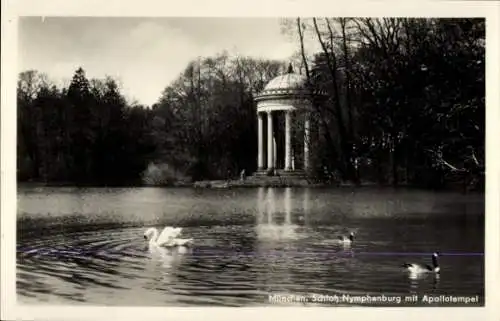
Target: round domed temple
{"points": [[286, 94]]}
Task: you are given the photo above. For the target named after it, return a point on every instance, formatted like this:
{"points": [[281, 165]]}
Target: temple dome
{"points": [[287, 81], [288, 85]]}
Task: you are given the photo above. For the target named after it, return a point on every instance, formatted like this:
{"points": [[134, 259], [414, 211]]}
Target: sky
{"points": [[144, 54]]}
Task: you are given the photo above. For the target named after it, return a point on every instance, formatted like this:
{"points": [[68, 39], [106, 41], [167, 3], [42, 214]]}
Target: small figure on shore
{"points": [[243, 175]]}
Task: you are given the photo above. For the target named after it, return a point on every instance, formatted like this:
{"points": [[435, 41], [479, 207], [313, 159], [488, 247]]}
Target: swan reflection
{"points": [[417, 278], [169, 257], [435, 284]]}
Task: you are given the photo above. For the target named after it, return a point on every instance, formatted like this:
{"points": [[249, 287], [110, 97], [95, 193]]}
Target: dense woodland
{"points": [[405, 105]]}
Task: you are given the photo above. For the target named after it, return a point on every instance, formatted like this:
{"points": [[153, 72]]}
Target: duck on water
{"points": [[416, 268], [347, 240]]}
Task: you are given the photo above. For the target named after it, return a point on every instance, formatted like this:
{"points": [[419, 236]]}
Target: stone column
{"points": [[306, 142], [270, 140], [288, 149], [260, 161], [275, 156]]}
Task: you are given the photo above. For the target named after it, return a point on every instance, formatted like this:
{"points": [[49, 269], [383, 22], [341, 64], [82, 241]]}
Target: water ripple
{"points": [[240, 256]]}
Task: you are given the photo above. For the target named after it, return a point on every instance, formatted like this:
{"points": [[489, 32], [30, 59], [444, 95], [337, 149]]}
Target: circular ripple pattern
{"points": [[229, 265], [86, 245]]}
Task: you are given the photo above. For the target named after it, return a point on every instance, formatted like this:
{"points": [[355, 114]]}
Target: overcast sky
{"points": [[145, 54]]}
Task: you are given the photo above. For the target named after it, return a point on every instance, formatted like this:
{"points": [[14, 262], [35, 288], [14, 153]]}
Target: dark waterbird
{"points": [[347, 239], [416, 268]]}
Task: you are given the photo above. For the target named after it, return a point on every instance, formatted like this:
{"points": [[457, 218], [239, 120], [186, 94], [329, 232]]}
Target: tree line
{"points": [[405, 104], [83, 134], [406, 98], [202, 127]]}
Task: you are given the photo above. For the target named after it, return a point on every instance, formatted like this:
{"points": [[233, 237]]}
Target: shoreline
{"points": [[230, 184], [211, 184]]}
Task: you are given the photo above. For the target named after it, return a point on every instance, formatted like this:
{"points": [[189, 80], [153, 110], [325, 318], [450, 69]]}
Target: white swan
{"points": [[167, 238]]}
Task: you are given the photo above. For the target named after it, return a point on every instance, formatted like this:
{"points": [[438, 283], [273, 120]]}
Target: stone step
{"points": [[276, 179], [287, 179], [282, 173]]}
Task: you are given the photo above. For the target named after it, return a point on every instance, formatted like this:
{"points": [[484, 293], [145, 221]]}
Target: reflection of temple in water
{"points": [[278, 228], [274, 219]]}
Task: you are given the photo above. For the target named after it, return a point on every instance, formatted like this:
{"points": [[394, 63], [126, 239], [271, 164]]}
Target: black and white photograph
{"points": [[287, 161]]}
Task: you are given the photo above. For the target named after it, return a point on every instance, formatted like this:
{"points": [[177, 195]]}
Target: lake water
{"points": [[86, 246]]}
